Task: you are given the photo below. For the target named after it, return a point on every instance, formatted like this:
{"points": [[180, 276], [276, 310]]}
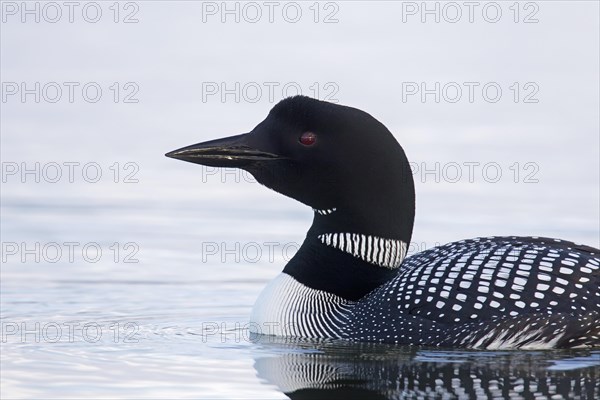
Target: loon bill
{"points": [[350, 278]]}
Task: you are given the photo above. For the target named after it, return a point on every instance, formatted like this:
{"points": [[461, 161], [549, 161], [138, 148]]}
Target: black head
{"points": [[347, 166], [326, 156]]}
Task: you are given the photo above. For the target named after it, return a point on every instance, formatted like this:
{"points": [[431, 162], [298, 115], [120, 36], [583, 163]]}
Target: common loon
{"points": [[350, 278]]}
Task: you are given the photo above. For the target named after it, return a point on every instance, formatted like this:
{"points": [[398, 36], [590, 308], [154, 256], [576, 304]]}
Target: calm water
{"points": [[140, 285]]}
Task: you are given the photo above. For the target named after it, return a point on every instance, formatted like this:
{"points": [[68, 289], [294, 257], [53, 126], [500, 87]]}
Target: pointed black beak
{"points": [[233, 151]]}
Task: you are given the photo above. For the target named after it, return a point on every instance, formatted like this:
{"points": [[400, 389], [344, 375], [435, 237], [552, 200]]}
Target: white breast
{"points": [[288, 308]]}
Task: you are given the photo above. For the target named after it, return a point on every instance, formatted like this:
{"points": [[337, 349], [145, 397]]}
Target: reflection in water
{"points": [[337, 369]]}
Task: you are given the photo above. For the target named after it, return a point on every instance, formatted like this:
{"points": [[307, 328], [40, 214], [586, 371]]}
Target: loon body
{"points": [[350, 278]]}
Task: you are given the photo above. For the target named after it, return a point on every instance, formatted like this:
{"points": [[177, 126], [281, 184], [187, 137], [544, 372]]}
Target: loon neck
{"points": [[325, 268], [341, 257], [358, 243]]}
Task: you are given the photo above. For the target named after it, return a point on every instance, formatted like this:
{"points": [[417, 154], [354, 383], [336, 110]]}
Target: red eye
{"points": [[308, 138]]}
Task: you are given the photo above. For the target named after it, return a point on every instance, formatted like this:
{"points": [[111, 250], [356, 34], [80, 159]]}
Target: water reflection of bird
{"points": [[350, 279], [346, 370]]}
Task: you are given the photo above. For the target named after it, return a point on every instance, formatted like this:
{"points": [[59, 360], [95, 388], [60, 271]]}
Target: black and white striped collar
{"points": [[382, 252]]}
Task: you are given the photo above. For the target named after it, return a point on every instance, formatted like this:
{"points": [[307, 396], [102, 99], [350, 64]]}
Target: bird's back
{"points": [[497, 292]]}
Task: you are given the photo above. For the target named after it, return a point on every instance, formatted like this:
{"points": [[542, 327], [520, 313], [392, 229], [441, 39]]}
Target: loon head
{"points": [[338, 160]]}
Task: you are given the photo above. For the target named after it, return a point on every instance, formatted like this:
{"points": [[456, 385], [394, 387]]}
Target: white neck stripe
{"points": [[325, 212], [387, 253]]}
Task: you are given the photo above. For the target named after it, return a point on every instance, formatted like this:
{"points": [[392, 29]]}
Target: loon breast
{"points": [[286, 307]]}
